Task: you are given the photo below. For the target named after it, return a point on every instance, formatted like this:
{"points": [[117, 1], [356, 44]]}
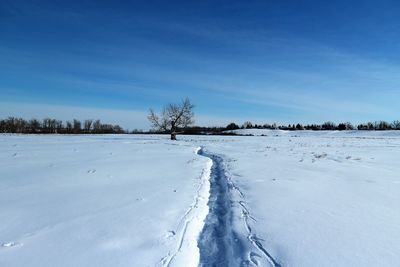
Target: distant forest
{"points": [[327, 126], [52, 126]]}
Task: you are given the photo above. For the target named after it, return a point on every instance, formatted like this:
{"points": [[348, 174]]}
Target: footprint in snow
{"points": [[191, 161], [320, 156], [91, 171], [14, 155], [170, 234], [10, 245], [254, 258]]}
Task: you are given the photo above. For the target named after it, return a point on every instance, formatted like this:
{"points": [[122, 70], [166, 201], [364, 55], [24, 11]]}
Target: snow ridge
{"points": [[190, 226]]}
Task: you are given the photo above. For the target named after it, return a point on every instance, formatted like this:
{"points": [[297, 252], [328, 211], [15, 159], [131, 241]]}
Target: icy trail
{"points": [[216, 241], [219, 243]]}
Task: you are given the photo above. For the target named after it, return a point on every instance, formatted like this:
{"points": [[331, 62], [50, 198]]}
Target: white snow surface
{"points": [[309, 198], [100, 201]]}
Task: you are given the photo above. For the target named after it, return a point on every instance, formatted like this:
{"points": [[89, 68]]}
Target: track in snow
{"points": [[217, 239], [219, 244]]}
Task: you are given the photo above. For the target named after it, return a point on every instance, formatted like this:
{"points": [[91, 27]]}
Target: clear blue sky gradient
{"points": [[263, 61]]}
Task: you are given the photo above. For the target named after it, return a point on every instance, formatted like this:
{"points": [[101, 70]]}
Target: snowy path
{"points": [[220, 244]]}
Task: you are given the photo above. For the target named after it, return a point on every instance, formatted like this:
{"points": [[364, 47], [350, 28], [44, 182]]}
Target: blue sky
{"points": [[263, 61]]}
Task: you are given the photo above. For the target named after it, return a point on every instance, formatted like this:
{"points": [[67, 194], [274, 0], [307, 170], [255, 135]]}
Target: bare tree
{"points": [[97, 126], [34, 126], [396, 125], [88, 126], [77, 126], [173, 117], [247, 125], [46, 125], [58, 126]]}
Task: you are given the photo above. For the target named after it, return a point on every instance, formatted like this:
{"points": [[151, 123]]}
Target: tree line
{"points": [[327, 126], [51, 126]]}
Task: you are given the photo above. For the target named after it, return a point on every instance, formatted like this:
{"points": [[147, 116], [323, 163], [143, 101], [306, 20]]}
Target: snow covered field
{"points": [[98, 200], [284, 199]]}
